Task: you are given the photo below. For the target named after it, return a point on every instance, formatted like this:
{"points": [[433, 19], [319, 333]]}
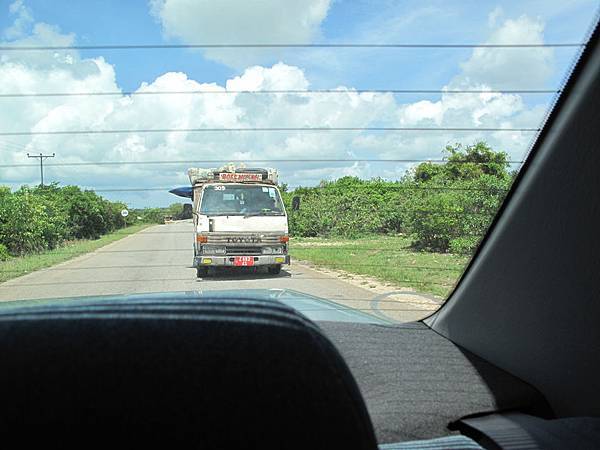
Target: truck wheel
{"points": [[201, 272], [274, 270]]}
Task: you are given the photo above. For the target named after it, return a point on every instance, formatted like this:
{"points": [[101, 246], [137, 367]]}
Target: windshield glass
{"points": [[339, 160], [352, 154], [223, 199]]}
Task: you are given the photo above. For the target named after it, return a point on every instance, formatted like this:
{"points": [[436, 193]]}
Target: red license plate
{"points": [[243, 261]]}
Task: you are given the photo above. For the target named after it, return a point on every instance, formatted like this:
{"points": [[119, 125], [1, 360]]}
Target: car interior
{"points": [[510, 361]]}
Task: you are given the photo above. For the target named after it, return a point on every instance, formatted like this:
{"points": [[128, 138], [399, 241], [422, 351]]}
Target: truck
{"points": [[239, 219]]}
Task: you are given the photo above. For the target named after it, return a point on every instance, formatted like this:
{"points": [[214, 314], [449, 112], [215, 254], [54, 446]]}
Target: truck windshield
{"points": [[243, 200]]}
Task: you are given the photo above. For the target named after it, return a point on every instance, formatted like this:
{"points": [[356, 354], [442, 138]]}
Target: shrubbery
{"points": [[454, 203], [41, 218], [34, 219], [4, 254], [443, 207], [347, 207], [157, 215]]}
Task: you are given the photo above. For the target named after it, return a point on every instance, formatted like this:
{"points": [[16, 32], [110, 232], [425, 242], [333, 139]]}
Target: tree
{"points": [[473, 161], [454, 202]]}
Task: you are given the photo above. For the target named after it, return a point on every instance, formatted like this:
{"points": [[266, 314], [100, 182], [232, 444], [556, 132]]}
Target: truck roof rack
{"points": [[232, 174]]}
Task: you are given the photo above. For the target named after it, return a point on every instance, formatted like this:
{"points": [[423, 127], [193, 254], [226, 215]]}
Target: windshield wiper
{"points": [[263, 213]]}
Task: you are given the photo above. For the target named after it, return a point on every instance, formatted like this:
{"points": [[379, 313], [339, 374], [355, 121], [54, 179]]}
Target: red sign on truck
{"points": [[228, 176]]}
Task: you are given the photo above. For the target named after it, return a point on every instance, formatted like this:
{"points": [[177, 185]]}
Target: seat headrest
{"points": [[223, 373]]}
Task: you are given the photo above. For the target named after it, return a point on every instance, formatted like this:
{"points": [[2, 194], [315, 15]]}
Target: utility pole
{"points": [[42, 158]]}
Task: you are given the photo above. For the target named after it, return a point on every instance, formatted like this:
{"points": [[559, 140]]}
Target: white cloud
{"points": [[68, 71], [486, 69], [22, 21], [177, 111], [260, 78], [240, 21], [495, 16], [506, 68], [420, 112]]}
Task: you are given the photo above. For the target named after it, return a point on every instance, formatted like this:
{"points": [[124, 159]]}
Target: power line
{"points": [[190, 232], [467, 213], [12, 145], [403, 188], [333, 188], [251, 161], [277, 91], [10, 48], [261, 129]]}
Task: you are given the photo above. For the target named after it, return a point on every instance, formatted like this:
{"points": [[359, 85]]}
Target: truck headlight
{"points": [[272, 250], [213, 250]]}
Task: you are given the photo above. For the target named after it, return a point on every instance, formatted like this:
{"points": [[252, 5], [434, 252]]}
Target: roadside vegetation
{"points": [[157, 215], [443, 208], [417, 232], [37, 219], [43, 226], [390, 258]]}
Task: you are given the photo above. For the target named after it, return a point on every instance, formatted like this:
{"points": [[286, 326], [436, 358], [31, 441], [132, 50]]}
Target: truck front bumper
{"points": [[228, 261]]}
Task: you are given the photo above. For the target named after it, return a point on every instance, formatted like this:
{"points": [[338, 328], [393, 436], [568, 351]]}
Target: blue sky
{"points": [[96, 22], [116, 22]]}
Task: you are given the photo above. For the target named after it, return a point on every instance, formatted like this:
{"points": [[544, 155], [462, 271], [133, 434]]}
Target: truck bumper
{"points": [[227, 261]]}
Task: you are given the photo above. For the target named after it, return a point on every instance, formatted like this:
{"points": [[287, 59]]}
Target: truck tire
{"points": [[274, 270], [201, 272]]}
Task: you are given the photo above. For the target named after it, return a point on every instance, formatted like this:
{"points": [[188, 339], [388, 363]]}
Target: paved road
{"points": [[158, 259]]}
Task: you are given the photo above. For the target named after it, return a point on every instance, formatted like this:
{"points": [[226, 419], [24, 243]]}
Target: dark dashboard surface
{"points": [[415, 382]]}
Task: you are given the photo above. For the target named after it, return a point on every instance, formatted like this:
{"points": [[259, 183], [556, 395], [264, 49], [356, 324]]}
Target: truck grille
{"points": [[243, 250], [244, 239]]}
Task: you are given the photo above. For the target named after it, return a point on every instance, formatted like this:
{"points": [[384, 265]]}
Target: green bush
{"points": [[454, 203], [347, 207], [464, 244], [41, 218], [443, 207], [153, 215], [89, 215], [25, 224], [4, 254]]}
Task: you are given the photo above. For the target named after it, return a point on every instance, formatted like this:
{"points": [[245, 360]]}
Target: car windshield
{"points": [[338, 160], [344, 157], [222, 200]]}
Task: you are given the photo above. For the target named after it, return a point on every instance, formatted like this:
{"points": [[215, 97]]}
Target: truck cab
{"points": [[239, 219]]}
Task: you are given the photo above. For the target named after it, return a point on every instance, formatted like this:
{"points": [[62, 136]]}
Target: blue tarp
{"points": [[185, 191]]}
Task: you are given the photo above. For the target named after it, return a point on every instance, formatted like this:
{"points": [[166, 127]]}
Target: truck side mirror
{"points": [[295, 203]]}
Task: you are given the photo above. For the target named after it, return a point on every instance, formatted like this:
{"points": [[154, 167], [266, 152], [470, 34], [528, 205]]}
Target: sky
{"points": [[108, 22]]}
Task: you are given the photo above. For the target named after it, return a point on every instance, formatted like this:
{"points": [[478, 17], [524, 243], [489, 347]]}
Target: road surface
{"points": [[158, 259]]}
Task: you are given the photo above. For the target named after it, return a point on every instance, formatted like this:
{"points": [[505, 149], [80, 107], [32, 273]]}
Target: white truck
{"points": [[239, 219]]}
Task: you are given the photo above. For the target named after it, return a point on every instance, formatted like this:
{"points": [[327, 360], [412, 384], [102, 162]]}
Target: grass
{"points": [[387, 258], [15, 267]]}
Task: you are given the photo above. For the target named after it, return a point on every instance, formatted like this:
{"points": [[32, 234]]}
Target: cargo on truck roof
{"points": [[233, 174]]}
